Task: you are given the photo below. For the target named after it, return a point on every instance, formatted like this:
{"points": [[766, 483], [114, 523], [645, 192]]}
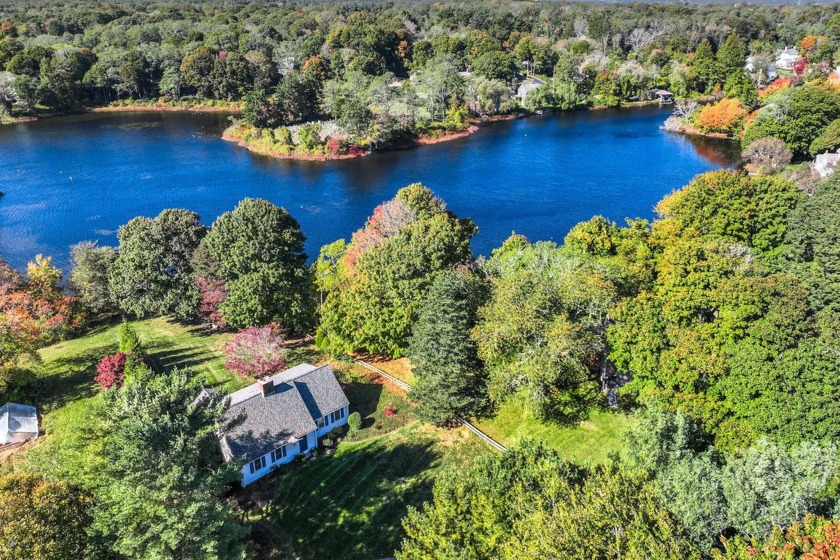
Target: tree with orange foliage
{"points": [[726, 116], [816, 538]]}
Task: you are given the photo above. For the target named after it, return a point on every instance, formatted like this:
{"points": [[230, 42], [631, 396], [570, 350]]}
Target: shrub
{"points": [[354, 420], [111, 370], [725, 116], [129, 339]]}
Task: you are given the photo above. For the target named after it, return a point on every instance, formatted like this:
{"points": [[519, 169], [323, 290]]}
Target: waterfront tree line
{"points": [[717, 321], [334, 79]]}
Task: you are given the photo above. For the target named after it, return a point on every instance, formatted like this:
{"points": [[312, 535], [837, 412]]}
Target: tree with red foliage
{"points": [[385, 222], [799, 67], [111, 370], [212, 293], [257, 351]]}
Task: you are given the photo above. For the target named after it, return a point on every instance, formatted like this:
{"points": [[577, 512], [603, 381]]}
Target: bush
{"points": [[355, 421], [111, 370], [256, 351]]}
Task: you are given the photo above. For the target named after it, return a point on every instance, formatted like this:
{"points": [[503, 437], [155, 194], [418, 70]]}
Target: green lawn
{"points": [[588, 442], [349, 505], [68, 369]]}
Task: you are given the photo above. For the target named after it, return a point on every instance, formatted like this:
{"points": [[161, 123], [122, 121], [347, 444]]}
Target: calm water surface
{"points": [[76, 178]]}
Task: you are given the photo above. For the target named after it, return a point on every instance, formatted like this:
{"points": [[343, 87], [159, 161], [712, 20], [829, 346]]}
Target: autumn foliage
{"points": [[385, 222], [725, 116], [111, 370], [211, 293], [257, 351], [776, 85], [814, 539]]}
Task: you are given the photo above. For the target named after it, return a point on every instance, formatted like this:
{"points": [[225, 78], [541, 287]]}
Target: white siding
{"points": [[340, 422], [292, 451]]}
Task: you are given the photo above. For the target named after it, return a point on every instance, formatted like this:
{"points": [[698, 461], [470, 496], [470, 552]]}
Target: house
{"points": [[760, 67], [528, 85], [18, 423], [280, 417], [786, 58]]}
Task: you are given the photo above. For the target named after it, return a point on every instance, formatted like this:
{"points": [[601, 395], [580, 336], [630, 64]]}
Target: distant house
{"points": [[280, 417], [760, 66], [528, 85], [786, 58], [18, 423]]}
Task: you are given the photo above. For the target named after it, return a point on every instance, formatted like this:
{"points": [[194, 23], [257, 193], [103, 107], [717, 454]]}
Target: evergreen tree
{"points": [[732, 55], [158, 494], [706, 67], [445, 358]]}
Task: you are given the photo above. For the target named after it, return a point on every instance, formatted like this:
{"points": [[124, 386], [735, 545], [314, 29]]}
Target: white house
{"points": [[765, 69], [18, 423], [786, 58], [528, 85], [825, 164], [280, 417]]}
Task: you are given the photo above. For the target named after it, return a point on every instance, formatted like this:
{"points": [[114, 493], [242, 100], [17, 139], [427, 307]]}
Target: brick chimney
{"points": [[266, 386]]}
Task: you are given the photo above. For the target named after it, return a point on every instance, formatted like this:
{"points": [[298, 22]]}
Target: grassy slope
{"points": [[588, 442], [349, 505]]}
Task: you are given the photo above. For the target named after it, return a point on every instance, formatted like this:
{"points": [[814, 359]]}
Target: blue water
{"points": [[75, 178]]}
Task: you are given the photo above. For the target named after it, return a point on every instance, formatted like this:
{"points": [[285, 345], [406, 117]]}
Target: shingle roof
{"points": [[301, 395]]}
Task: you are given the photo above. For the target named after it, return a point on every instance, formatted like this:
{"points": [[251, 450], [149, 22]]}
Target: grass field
{"points": [[349, 505], [589, 442]]}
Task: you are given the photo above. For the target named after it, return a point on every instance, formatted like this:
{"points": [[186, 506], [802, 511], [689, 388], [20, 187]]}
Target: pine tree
{"points": [[446, 364]]}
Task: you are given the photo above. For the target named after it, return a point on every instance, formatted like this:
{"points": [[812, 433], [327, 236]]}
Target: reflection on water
{"points": [[81, 177]]}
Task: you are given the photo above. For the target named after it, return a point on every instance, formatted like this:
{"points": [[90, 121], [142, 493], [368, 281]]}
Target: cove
{"points": [[75, 178]]}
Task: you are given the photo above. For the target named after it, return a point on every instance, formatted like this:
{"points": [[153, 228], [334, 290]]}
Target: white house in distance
{"points": [[18, 423], [786, 58], [280, 417]]}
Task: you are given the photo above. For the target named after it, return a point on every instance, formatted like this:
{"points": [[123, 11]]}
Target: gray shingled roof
{"points": [[301, 395], [321, 392]]}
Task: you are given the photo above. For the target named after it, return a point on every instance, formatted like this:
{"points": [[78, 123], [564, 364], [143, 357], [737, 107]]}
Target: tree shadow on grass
{"points": [[73, 377], [350, 505], [364, 398], [180, 358]]}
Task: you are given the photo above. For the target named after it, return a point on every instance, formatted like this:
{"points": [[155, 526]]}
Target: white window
{"points": [[257, 465], [322, 421], [278, 454]]}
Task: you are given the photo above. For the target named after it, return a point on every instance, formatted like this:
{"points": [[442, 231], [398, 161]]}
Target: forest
{"points": [[712, 328]]}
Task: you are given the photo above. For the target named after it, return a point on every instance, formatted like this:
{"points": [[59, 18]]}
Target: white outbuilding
{"points": [[18, 423]]}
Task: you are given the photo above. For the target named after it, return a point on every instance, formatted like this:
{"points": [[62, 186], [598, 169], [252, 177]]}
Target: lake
{"points": [[74, 178]]}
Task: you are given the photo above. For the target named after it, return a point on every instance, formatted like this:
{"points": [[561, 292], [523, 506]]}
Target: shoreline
{"points": [[164, 108]]}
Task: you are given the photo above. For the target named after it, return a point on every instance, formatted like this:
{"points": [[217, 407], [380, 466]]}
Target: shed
{"points": [[18, 423], [664, 96]]}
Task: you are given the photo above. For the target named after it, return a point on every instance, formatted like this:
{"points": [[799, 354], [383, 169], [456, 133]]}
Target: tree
{"points": [[541, 332], [747, 491], [196, 69], [158, 493], [767, 155], [732, 55], [528, 503], [815, 538], [91, 266], [813, 245], [828, 141], [444, 357], [41, 520], [725, 116], [387, 270], [706, 67], [256, 351], [152, 274], [257, 250]]}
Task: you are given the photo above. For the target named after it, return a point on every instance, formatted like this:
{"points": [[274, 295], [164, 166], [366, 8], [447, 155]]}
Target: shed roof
{"points": [[18, 422]]}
